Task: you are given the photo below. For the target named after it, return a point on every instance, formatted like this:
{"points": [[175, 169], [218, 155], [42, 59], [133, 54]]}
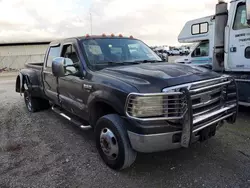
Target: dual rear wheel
{"points": [[35, 104]]}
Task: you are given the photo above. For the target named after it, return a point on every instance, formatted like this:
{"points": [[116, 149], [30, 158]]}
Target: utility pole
{"points": [[90, 23]]}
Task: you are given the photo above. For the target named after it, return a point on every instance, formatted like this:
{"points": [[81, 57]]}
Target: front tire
{"points": [[112, 142]]}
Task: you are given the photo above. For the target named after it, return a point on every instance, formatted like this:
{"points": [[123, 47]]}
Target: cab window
{"points": [[201, 50], [53, 53], [240, 21], [69, 52]]}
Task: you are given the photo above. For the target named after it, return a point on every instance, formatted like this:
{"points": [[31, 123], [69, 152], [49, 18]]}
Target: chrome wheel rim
{"points": [[109, 144]]}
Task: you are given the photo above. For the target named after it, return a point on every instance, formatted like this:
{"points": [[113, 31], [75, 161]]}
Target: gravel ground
{"points": [[44, 150]]}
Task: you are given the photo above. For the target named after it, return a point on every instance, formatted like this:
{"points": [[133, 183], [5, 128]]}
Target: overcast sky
{"points": [[156, 22]]}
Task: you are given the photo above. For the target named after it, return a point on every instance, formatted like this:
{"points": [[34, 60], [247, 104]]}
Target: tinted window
{"points": [[240, 21], [201, 50], [101, 52], [247, 52], [69, 52], [117, 51], [53, 53]]}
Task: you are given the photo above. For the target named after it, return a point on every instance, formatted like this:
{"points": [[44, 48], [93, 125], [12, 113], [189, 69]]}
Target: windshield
{"points": [[105, 52]]}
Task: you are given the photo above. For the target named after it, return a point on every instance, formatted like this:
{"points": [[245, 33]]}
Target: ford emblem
{"points": [[205, 98]]}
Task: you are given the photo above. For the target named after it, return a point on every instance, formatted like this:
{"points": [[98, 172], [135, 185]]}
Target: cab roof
{"points": [[58, 42]]}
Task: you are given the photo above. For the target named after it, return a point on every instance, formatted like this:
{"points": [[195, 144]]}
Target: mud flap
{"points": [[187, 129]]}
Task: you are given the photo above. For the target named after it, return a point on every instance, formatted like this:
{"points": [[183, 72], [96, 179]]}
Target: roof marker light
{"points": [[120, 35], [112, 35], [103, 35], [131, 37]]}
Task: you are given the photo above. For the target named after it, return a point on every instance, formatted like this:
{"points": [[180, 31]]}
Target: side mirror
{"points": [[58, 69], [248, 11]]}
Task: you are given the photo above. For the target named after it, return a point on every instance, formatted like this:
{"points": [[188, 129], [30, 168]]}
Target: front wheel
{"points": [[112, 142]]}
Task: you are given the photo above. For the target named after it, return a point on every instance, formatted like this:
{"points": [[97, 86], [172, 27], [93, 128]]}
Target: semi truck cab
{"points": [[223, 42]]}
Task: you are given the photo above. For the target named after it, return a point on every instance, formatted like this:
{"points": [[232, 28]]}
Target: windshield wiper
{"points": [[149, 61], [122, 62], [116, 63]]}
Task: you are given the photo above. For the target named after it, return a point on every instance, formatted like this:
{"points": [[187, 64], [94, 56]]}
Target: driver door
{"points": [[239, 43], [73, 96]]}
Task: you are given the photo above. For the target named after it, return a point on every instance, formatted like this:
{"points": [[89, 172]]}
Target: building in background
{"points": [[13, 56]]}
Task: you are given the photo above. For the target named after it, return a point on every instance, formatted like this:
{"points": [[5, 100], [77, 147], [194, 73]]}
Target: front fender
{"points": [[103, 96]]}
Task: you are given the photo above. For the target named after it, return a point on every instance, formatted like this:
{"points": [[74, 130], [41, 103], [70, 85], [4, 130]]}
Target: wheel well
{"points": [[99, 109], [18, 84], [18, 80]]}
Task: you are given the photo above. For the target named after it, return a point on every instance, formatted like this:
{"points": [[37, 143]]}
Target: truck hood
{"points": [[153, 77]]}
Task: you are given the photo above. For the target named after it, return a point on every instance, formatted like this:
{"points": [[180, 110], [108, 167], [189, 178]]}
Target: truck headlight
{"points": [[146, 106]]}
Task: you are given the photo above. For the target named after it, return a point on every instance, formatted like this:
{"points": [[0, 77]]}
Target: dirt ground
{"points": [[44, 150]]}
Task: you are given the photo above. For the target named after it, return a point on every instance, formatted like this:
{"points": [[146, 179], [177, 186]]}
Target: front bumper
{"points": [[173, 140]]}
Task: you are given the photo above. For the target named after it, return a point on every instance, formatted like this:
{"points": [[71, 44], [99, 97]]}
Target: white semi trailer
{"points": [[223, 43]]}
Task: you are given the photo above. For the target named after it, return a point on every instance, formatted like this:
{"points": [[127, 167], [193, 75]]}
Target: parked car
{"points": [[163, 54], [174, 51]]}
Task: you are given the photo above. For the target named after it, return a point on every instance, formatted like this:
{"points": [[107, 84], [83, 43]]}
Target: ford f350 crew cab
{"points": [[132, 100]]}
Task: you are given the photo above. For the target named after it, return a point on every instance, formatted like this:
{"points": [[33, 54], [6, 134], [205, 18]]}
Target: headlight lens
{"points": [[147, 106]]}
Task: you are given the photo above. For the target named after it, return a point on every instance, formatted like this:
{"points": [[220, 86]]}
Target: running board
{"points": [[73, 120]]}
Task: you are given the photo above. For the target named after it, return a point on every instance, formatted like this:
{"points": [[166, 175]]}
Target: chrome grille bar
{"points": [[206, 103], [212, 122], [209, 87], [206, 116], [206, 111], [207, 92]]}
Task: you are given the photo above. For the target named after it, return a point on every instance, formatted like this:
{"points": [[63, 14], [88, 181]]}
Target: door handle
{"points": [[233, 49]]}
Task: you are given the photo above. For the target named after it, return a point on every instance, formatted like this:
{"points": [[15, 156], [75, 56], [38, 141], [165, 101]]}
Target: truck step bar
{"points": [[66, 115]]}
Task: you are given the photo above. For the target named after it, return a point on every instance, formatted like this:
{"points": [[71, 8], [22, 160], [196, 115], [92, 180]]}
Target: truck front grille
{"points": [[209, 96]]}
